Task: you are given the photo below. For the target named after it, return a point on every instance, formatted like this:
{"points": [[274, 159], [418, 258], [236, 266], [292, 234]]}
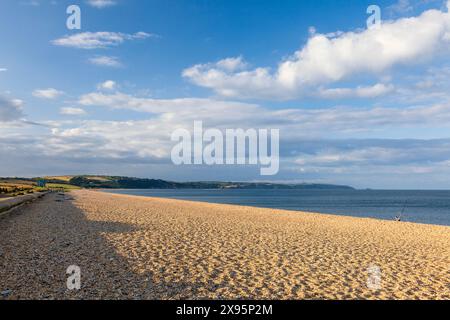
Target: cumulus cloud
{"points": [[327, 59], [315, 143], [374, 91], [151, 138], [329, 154], [221, 112], [377, 163], [10, 109], [98, 40], [379, 152], [400, 7], [232, 64], [107, 85], [100, 4], [398, 163], [183, 107], [72, 111], [49, 93], [139, 148], [105, 61]]}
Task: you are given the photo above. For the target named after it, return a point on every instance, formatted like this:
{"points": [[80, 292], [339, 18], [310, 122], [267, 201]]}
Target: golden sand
{"points": [[132, 247]]}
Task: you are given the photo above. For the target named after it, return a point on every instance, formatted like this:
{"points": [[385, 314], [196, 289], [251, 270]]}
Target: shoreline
{"points": [[132, 247], [267, 208]]}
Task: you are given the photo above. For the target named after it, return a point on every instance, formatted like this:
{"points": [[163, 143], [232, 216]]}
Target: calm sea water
{"points": [[431, 207]]}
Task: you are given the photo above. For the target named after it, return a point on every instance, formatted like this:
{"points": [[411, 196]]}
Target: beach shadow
{"points": [[62, 237]]}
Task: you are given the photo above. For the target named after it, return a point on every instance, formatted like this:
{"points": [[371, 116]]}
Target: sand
{"points": [[148, 248]]}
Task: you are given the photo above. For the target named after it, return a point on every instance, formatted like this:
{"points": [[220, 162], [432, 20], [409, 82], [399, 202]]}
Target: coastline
{"points": [[237, 206], [133, 247], [384, 207]]}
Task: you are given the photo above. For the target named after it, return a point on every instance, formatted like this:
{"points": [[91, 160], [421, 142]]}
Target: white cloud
{"points": [[99, 40], [10, 109], [3, 69], [400, 7], [315, 142], [33, 3], [106, 61], [379, 153], [184, 107], [232, 64], [107, 85], [142, 148], [101, 3], [403, 156], [49, 93], [327, 59], [332, 150], [295, 123], [374, 91], [430, 86], [72, 111]]}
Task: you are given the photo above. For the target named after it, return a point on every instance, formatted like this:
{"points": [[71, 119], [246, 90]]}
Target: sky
{"points": [[356, 105]]}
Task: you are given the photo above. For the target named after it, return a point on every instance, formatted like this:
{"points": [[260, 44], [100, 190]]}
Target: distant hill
{"points": [[117, 182]]}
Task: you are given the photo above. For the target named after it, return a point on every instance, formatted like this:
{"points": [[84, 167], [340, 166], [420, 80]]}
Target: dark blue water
{"points": [[431, 207]]}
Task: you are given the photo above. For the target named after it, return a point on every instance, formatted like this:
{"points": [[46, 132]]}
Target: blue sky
{"points": [[369, 108]]}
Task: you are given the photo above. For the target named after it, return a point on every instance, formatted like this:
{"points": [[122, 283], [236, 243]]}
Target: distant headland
{"points": [[119, 182]]}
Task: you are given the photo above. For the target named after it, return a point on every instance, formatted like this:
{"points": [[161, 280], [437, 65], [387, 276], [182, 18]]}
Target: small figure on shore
{"points": [[399, 217]]}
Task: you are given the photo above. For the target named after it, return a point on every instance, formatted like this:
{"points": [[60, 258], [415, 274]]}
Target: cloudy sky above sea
{"points": [[363, 107]]}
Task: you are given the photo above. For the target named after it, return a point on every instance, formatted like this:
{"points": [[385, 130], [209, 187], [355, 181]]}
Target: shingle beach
{"points": [[130, 247]]}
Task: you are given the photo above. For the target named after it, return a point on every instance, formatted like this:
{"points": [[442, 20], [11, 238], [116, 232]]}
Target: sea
{"points": [[429, 207]]}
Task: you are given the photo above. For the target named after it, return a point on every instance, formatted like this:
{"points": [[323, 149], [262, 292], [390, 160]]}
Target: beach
{"points": [[130, 247]]}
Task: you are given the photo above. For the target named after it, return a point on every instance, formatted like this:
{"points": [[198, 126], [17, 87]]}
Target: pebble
{"points": [[6, 293], [159, 249]]}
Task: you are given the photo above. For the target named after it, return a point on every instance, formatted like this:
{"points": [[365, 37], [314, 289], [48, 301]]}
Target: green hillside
{"points": [[118, 182]]}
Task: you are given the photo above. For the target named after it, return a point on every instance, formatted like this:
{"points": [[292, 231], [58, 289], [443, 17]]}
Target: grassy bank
{"points": [[10, 187]]}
